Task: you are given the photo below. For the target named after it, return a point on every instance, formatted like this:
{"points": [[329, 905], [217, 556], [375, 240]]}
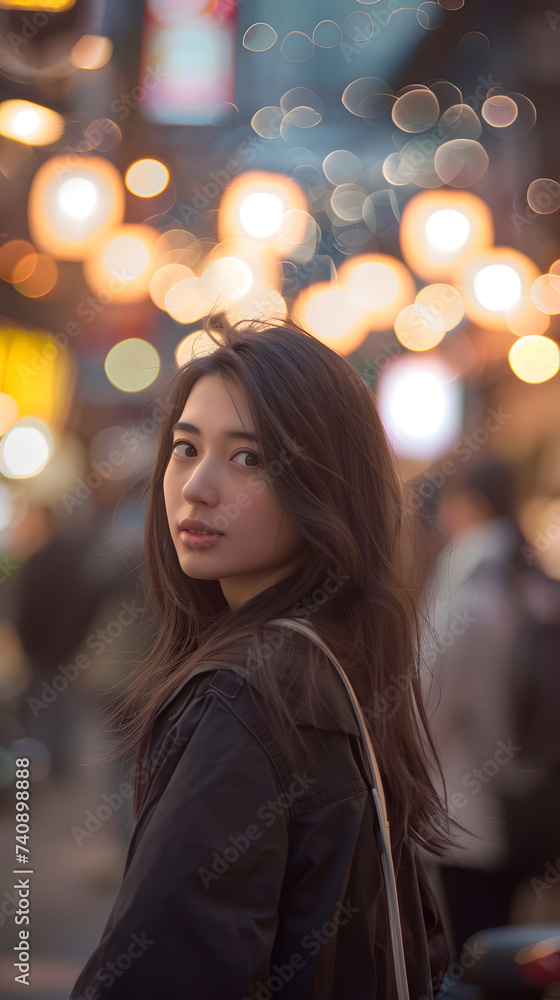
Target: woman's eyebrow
{"points": [[182, 426]]}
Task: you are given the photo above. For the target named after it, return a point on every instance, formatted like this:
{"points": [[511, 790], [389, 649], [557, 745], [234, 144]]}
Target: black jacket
{"points": [[246, 879]]}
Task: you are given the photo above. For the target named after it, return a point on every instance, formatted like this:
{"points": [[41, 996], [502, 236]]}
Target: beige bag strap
{"points": [[299, 625]]}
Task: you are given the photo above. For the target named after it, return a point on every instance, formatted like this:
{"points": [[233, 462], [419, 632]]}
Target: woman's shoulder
{"points": [[279, 659], [278, 665]]}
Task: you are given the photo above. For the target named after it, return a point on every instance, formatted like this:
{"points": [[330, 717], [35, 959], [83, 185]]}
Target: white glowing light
{"points": [[77, 197], [420, 406], [497, 287], [447, 230], [261, 214], [126, 258], [25, 450], [228, 280], [26, 122]]}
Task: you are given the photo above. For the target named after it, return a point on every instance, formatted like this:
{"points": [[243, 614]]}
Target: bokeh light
{"points": [[524, 318], [259, 37], [253, 208], [327, 34], [420, 404], [461, 162], [146, 178], [499, 111], [132, 365], [35, 275], [91, 52], [381, 284], [460, 121], [545, 294], [497, 287], [334, 315], [534, 358], [30, 123], [123, 264], [419, 327], [446, 301], [493, 282], [543, 196], [342, 167], [38, 374], [71, 206], [185, 300], [297, 47], [416, 110], [260, 214], [441, 228], [25, 449], [447, 230], [164, 278], [226, 281]]}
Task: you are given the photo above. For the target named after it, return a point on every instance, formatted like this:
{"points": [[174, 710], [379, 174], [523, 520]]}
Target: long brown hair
{"points": [[339, 481]]}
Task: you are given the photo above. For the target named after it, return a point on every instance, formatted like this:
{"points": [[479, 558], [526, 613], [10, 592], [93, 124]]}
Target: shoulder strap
{"points": [[299, 625]]}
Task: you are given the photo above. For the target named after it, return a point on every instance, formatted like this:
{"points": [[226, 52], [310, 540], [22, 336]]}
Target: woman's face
{"points": [[217, 478]]}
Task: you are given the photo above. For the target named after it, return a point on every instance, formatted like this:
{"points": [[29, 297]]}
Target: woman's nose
{"points": [[200, 486]]}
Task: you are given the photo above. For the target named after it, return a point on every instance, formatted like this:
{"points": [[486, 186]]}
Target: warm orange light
{"points": [[73, 204], [30, 123], [493, 283], [54, 6], [164, 278], [445, 300], [230, 274], [124, 263], [185, 301], [333, 315], [441, 228], [525, 319], [146, 178], [91, 52], [418, 327], [265, 270], [534, 359], [178, 246], [254, 207], [11, 254], [35, 275], [545, 294], [381, 284]]}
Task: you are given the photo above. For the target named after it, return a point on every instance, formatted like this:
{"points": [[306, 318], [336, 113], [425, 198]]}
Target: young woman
{"points": [[254, 868]]}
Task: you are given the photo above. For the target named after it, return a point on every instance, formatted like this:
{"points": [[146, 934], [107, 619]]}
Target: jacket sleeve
{"points": [[197, 910]]}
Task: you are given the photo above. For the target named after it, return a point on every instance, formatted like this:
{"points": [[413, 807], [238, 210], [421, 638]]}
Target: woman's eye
{"points": [[181, 444], [186, 445], [252, 455]]}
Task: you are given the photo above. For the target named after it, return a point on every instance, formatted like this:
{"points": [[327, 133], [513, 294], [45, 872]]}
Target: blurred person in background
{"points": [[56, 597], [68, 588], [495, 696]]}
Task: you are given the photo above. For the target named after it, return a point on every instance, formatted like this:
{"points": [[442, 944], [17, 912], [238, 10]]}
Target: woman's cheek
{"points": [[256, 483]]}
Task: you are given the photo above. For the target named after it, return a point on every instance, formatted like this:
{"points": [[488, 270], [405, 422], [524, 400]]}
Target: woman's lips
{"points": [[194, 541]]}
